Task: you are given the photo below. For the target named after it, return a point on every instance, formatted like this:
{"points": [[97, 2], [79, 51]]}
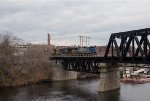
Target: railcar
{"points": [[76, 51]]}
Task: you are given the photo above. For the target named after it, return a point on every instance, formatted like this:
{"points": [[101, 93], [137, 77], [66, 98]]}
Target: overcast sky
{"points": [[65, 20]]}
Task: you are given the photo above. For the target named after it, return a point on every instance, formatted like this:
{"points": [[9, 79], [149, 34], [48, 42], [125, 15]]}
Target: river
{"points": [[75, 90]]}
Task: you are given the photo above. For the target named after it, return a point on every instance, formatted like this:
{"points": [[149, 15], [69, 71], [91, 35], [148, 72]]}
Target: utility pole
{"points": [[88, 41], [84, 41], [80, 40]]}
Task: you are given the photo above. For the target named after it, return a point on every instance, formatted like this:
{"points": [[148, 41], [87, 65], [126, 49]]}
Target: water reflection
{"points": [[74, 90], [110, 96]]}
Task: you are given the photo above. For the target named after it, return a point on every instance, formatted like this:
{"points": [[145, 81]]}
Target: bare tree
{"points": [[32, 65], [37, 63], [8, 43], [7, 49]]}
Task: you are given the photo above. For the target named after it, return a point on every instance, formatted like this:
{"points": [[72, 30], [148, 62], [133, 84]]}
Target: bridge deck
{"points": [[135, 60]]}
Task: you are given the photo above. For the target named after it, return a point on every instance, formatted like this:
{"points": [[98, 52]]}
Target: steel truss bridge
{"points": [[131, 47]]}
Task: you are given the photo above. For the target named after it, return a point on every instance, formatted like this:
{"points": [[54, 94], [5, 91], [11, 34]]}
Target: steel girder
{"points": [[81, 65]]}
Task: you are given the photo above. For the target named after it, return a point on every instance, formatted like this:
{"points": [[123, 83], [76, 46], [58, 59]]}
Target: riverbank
{"points": [[135, 80], [39, 75], [31, 75]]}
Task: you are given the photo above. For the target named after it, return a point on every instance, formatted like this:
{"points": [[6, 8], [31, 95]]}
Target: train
{"points": [[76, 51]]}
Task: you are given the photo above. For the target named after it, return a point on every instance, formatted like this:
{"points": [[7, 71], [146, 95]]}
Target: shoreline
{"points": [[135, 80]]}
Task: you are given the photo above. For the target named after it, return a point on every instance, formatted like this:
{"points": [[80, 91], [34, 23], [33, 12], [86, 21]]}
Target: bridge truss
{"points": [[131, 47]]}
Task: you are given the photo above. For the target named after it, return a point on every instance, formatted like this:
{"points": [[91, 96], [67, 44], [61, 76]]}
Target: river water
{"points": [[75, 90]]}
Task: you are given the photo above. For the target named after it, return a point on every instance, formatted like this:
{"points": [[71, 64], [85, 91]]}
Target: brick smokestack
{"points": [[48, 39]]}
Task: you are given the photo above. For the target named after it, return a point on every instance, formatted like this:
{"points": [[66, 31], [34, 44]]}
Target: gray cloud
{"points": [[31, 20]]}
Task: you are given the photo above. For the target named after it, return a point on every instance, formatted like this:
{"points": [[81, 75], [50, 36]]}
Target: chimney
{"points": [[48, 39]]}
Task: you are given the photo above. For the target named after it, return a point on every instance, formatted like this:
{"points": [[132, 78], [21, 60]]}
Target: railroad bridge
{"points": [[131, 47]]}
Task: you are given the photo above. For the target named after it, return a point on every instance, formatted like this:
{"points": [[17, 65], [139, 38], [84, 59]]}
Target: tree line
{"points": [[21, 66]]}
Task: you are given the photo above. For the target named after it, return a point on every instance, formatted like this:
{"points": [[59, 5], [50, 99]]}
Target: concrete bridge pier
{"points": [[59, 74], [109, 79]]}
